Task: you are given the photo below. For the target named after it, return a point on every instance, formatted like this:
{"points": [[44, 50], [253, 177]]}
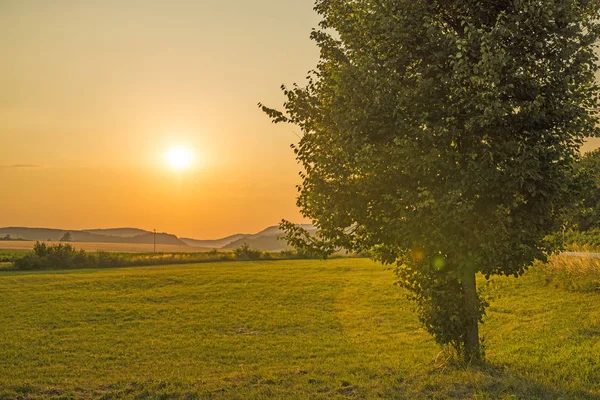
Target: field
{"points": [[283, 329], [116, 247], [8, 255]]}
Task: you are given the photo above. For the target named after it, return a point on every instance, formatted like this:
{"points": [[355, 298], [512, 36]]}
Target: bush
{"points": [[287, 253], [589, 239], [28, 262], [59, 256], [245, 253], [65, 256], [213, 253], [104, 259]]}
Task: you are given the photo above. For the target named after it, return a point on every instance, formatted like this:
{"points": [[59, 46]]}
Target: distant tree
{"points": [[244, 252], [66, 237], [440, 136], [585, 213]]}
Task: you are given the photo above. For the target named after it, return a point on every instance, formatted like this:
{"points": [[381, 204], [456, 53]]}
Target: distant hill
{"points": [[32, 233], [213, 243], [265, 243], [121, 232], [46, 234], [266, 240]]}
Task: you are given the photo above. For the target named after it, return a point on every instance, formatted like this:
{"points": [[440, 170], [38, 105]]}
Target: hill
{"points": [[269, 239], [212, 243], [121, 232], [46, 234]]}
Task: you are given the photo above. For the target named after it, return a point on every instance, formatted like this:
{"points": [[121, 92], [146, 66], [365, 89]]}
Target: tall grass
{"points": [[579, 274]]}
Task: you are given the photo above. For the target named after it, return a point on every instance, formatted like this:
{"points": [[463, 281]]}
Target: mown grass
{"points": [[279, 329]]}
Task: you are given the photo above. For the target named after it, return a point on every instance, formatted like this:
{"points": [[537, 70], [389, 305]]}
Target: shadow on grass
{"points": [[486, 381], [482, 382]]}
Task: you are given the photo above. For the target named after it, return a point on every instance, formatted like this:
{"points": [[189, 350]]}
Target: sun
{"points": [[179, 157]]}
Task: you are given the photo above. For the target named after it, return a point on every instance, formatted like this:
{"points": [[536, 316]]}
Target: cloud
{"points": [[20, 166]]}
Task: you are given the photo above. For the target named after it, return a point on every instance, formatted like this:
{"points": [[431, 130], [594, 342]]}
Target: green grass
{"points": [[588, 240], [279, 329], [10, 255]]}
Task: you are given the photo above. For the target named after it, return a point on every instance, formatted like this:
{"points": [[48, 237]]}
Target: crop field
{"points": [[116, 247], [7, 255], [280, 329]]}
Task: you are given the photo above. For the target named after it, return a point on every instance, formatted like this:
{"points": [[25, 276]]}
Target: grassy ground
{"points": [[283, 329]]}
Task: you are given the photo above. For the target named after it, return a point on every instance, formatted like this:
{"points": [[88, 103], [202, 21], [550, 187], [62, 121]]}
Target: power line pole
{"points": [[155, 240]]}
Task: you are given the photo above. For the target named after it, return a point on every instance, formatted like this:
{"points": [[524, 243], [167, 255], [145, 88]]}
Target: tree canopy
{"points": [[440, 136]]}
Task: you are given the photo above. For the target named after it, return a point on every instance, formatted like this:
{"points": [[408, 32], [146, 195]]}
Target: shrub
{"points": [[59, 256], [589, 238], [28, 262], [213, 253], [65, 256], [104, 259], [245, 253]]}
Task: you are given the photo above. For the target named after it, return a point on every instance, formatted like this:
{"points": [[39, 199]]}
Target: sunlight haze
{"points": [[95, 92]]}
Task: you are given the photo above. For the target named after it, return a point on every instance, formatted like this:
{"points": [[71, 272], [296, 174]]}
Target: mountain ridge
{"points": [[267, 239], [51, 234]]}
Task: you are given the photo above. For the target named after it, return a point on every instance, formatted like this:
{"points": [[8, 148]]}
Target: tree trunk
{"points": [[472, 350]]}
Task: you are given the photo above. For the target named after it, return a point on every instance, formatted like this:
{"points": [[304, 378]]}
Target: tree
{"points": [[440, 135], [585, 213], [66, 237]]}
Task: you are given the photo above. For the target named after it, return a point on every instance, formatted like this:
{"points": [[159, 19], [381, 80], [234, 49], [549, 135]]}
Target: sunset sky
{"points": [[95, 93]]}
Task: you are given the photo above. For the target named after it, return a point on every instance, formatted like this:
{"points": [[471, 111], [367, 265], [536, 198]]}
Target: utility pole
{"points": [[155, 240]]}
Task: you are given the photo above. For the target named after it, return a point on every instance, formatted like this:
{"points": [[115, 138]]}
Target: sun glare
{"points": [[179, 157]]}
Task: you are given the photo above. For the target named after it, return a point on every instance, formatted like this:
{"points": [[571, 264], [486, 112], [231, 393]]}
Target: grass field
{"points": [[280, 329], [116, 247], [7, 255]]}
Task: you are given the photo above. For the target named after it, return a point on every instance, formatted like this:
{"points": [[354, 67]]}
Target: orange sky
{"points": [[95, 92]]}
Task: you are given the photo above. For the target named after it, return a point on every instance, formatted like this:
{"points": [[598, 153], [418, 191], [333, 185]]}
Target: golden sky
{"points": [[94, 92]]}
